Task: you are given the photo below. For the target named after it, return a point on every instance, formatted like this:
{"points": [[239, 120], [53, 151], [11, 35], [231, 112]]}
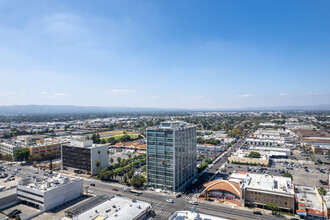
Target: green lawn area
{"points": [[133, 136]]}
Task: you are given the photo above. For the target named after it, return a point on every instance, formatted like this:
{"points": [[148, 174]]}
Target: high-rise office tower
{"points": [[171, 155]]}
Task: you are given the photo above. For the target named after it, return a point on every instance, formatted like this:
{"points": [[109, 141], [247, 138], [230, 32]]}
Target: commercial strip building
{"points": [[171, 149], [309, 203], [246, 189], [321, 149], [265, 142], [81, 156], [9, 147], [285, 151], [49, 193], [240, 157], [106, 208], [180, 215]]}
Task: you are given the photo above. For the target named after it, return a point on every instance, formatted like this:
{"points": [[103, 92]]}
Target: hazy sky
{"points": [[184, 54]]}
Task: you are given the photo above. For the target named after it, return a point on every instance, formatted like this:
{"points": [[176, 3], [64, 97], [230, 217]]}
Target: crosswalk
{"points": [[162, 214], [186, 197]]}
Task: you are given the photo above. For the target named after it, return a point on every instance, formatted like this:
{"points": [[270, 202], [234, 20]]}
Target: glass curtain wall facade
{"points": [[171, 160]]}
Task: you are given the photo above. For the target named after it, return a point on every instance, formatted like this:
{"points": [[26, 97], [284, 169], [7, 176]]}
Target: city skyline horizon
{"points": [[218, 55]]}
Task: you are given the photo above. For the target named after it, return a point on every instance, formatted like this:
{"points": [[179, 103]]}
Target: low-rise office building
{"points": [[321, 149], [309, 203], [81, 156], [42, 149], [9, 147], [106, 208], [47, 194], [286, 151], [265, 142], [30, 139], [241, 157]]}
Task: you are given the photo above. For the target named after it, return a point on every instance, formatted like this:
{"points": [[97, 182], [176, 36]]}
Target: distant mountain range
{"points": [[71, 109]]}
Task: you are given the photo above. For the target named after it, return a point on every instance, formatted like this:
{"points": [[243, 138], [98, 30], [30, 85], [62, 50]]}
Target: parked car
{"points": [[114, 189], [169, 200], [92, 184], [178, 195]]}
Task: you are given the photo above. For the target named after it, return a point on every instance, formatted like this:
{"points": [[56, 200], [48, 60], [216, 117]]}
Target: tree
{"points": [[125, 178], [97, 164], [102, 141], [272, 207], [118, 159], [125, 138], [138, 181], [111, 160], [22, 154], [288, 175], [253, 154], [97, 138], [8, 157], [111, 140], [129, 156], [144, 168], [322, 191], [130, 173]]}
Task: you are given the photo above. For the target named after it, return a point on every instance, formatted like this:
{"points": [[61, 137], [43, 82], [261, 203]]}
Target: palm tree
{"points": [[99, 152], [129, 156], [111, 160], [118, 159], [97, 164]]}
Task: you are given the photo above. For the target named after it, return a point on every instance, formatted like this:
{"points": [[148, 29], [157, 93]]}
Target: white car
{"points": [[90, 191], [169, 200], [192, 203]]}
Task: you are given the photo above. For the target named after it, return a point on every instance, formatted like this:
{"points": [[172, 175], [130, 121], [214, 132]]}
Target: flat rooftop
{"points": [[264, 182], [181, 215], [172, 125], [307, 195], [43, 184], [119, 208], [312, 133]]}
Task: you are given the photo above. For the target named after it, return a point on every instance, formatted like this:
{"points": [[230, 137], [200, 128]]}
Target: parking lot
{"points": [[305, 173], [25, 210], [233, 168]]}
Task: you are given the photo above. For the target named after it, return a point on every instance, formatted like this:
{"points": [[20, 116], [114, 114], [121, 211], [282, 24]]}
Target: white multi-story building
{"points": [[49, 193], [171, 149], [106, 208], [9, 147]]}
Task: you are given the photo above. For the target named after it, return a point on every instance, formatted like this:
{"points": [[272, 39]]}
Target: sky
{"points": [[167, 54]]}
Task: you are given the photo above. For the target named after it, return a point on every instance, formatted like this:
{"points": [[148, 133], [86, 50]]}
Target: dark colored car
{"points": [[178, 195], [257, 213], [114, 189], [92, 184]]}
